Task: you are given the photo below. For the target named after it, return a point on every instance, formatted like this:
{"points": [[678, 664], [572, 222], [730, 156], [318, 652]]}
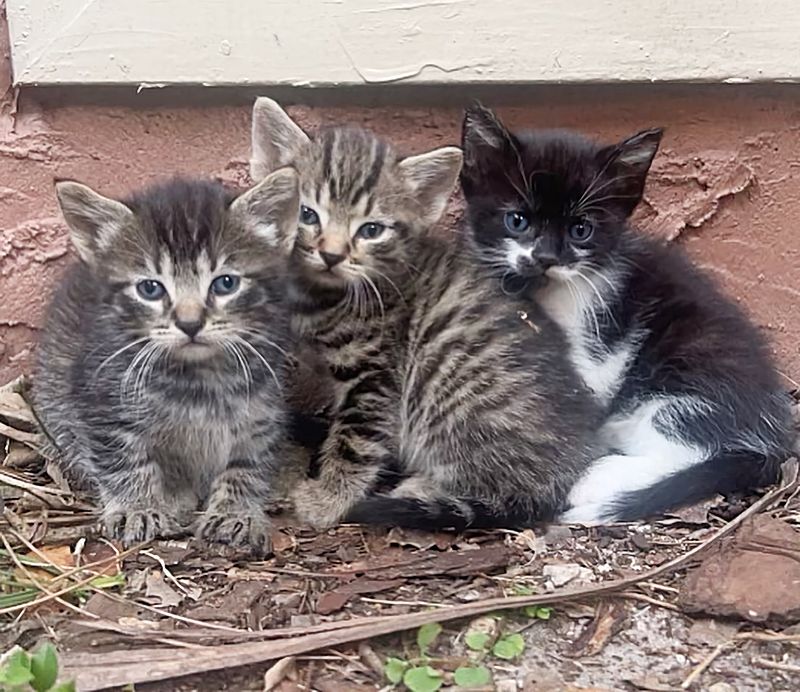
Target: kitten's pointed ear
{"points": [[488, 146], [482, 134], [432, 178], [628, 163], [270, 209], [93, 220], [276, 138]]}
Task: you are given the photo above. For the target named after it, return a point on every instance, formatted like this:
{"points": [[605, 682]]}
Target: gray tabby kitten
{"points": [[160, 361], [438, 376]]}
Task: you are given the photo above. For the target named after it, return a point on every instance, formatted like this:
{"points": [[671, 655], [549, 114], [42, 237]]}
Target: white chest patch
{"points": [[573, 301]]}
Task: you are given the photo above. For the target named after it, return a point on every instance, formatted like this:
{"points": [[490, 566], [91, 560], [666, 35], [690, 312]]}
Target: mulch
{"points": [[324, 604]]}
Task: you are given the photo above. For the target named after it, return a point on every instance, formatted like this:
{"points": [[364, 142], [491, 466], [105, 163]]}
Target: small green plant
{"points": [[420, 674], [21, 671], [538, 612], [472, 676], [416, 673], [509, 646]]}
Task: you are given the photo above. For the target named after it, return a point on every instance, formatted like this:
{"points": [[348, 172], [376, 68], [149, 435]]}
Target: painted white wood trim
{"points": [[331, 42]]}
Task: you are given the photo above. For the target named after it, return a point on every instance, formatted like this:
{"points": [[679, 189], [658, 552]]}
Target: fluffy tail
{"points": [[437, 514], [723, 474]]}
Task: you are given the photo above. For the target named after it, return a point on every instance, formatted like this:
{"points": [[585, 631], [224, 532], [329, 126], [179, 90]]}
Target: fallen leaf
{"points": [[157, 588], [711, 632], [331, 601], [60, 556], [610, 619], [108, 608], [420, 539], [696, 514], [95, 551]]}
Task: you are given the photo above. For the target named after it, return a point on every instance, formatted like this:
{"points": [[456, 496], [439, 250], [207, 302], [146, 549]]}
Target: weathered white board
{"points": [[330, 42]]}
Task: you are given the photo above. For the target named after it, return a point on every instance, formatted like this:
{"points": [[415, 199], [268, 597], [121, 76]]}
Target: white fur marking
{"points": [[515, 252], [647, 456], [573, 299], [268, 232]]}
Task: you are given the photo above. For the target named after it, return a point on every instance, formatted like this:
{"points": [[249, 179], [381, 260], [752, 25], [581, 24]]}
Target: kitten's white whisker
{"points": [[391, 283], [377, 293], [119, 352], [260, 335], [599, 274], [241, 362], [263, 360], [603, 304], [133, 368]]}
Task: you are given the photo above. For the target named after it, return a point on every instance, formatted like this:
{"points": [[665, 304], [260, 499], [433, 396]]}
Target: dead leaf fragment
{"points": [[331, 601], [158, 589], [731, 580], [609, 620], [276, 674]]}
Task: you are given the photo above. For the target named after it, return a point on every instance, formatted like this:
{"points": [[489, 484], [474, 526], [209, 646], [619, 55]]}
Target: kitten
{"points": [[439, 379], [693, 402], [159, 366]]}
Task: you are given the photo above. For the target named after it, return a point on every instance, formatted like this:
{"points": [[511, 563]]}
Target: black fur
{"points": [[691, 347]]}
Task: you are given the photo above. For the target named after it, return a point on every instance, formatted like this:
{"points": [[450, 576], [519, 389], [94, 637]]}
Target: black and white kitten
{"points": [[693, 401], [160, 363]]}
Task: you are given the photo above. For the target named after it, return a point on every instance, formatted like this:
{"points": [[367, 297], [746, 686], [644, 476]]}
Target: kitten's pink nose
{"points": [[331, 259]]}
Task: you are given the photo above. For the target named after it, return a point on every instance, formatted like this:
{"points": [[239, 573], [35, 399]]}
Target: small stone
{"points": [[721, 687], [287, 600], [558, 535], [301, 621], [469, 595], [561, 574]]}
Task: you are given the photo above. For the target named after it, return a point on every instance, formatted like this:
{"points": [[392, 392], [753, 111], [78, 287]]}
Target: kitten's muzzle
{"points": [[535, 266]]}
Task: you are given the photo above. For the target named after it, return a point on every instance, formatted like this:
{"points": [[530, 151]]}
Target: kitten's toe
{"points": [[316, 506], [236, 529], [142, 524]]}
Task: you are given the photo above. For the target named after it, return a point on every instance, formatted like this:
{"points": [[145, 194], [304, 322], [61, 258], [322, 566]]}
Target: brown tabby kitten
{"points": [[439, 376], [160, 362], [350, 266]]}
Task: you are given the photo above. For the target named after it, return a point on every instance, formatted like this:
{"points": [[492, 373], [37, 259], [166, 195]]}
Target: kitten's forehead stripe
{"points": [[184, 218], [327, 149], [352, 161]]}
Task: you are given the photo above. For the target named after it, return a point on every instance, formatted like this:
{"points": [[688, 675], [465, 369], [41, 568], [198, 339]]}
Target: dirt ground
{"points": [[705, 599]]}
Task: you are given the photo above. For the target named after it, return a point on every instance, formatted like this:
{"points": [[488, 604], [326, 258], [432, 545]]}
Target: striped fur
{"points": [[437, 376], [158, 422]]}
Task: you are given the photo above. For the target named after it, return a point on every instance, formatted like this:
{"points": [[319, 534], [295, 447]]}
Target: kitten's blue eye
{"points": [[516, 221], [370, 230], [225, 285], [308, 216], [149, 289], [581, 231]]}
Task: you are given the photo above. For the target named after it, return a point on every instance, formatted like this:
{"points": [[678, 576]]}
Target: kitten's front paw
{"points": [[236, 529], [316, 506], [142, 524]]}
